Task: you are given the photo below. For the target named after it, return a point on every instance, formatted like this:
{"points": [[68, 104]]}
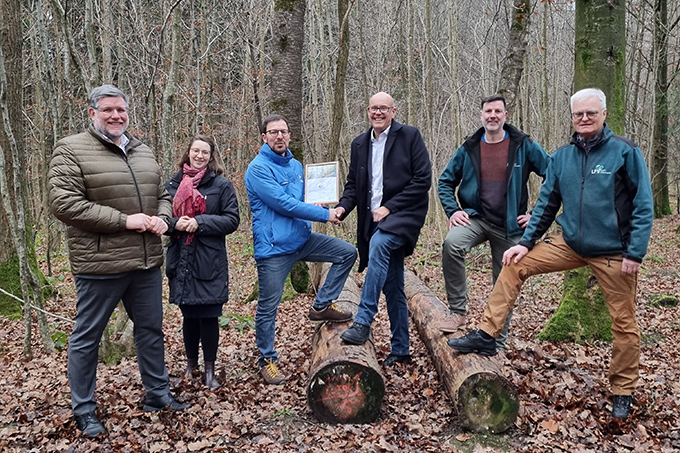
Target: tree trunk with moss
{"points": [[599, 62], [17, 241], [582, 315], [600, 53]]}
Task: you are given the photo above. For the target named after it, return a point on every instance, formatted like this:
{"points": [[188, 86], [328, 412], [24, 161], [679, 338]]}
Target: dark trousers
{"points": [[98, 296]]}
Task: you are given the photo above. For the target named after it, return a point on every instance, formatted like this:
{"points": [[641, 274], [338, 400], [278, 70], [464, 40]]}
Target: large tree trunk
{"points": [[345, 383], [288, 36], [13, 191], [484, 399], [662, 204], [600, 53], [599, 61]]}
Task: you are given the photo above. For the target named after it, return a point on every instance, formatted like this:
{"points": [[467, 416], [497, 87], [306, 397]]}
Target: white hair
{"points": [[587, 93]]}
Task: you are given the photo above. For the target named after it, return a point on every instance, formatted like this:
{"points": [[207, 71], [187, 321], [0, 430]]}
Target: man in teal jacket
{"points": [[490, 170], [602, 183], [282, 236]]}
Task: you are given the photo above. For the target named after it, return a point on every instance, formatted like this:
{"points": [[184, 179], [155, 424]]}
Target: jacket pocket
{"points": [[210, 258]]}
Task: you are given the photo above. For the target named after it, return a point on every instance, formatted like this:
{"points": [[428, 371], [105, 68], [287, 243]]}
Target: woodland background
{"points": [[218, 67]]}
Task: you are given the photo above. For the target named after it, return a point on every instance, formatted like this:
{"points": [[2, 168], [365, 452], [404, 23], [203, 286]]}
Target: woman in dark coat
{"points": [[205, 210]]}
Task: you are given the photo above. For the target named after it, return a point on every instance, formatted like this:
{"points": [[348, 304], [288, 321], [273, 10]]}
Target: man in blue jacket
{"points": [[602, 183], [490, 170], [282, 236], [388, 182]]}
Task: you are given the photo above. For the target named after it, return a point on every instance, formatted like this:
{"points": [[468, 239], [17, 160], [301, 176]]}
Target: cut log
{"points": [[345, 382], [484, 399]]}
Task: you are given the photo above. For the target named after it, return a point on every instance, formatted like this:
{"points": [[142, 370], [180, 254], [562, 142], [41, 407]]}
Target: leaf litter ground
{"points": [[563, 388]]}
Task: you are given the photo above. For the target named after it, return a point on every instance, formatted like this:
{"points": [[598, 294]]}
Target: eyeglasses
{"points": [[275, 133], [590, 114], [110, 110], [197, 151], [381, 109]]}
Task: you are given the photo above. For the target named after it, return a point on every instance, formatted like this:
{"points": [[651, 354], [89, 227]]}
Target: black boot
{"points": [[192, 364], [209, 378]]}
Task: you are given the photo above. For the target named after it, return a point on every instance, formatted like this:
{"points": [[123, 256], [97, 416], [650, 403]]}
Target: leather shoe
{"points": [[621, 408], [394, 358], [476, 341], [357, 334], [165, 402], [89, 424]]}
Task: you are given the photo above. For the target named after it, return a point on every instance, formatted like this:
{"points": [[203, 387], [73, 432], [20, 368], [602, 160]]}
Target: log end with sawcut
{"points": [[346, 392], [486, 401]]}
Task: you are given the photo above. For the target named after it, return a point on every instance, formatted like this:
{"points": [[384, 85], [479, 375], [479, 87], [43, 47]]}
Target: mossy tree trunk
{"points": [[286, 99], [599, 61], [14, 213], [582, 315], [600, 53]]}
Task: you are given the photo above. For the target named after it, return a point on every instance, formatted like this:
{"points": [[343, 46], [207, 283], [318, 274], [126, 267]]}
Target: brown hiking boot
{"points": [[452, 323], [271, 374], [332, 313]]}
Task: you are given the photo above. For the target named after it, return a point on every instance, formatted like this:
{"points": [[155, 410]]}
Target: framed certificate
{"points": [[321, 183]]}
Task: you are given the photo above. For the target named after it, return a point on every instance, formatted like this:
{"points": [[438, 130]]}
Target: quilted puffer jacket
{"points": [[94, 186]]}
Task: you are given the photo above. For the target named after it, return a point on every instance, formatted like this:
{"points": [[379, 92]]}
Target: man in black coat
{"points": [[388, 182]]}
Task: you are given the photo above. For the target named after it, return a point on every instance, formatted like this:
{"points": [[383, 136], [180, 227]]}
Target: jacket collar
{"points": [[132, 143], [515, 134], [275, 158], [590, 143]]}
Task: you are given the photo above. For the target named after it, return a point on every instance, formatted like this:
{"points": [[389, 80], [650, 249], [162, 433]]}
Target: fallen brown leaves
{"points": [[565, 400]]}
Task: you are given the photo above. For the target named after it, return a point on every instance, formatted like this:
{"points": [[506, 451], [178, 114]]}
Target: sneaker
{"points": [[357, 334], [271, 374], [89, 424], [476, 341], [621, 407], [332, 313], [452, 323], [165, 402]]}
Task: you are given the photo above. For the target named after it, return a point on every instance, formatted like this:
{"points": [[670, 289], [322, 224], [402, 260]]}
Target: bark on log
{"points": [[345, 382], [484, 399]]}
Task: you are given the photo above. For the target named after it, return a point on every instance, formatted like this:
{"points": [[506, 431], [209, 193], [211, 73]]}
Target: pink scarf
{"points": [[188, 200]]}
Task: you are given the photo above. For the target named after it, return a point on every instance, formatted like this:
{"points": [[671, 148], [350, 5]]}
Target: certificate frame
{"points": [[322, 182]]}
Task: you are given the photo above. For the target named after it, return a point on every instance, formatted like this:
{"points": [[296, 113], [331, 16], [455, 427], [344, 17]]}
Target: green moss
{"points": [[663, 300], [582, 315], [114, 354], [9, 281], [286, 5], [276, 105], [299, 277]]}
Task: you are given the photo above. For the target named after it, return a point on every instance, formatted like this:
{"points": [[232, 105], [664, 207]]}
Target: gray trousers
{"points": [[98, 296], [458, 242]]}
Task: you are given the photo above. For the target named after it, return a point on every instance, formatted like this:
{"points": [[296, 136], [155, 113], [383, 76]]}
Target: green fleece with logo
{"points": [[603, 186]]}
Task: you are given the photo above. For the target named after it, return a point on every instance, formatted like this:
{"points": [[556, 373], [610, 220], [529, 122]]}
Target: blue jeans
{"points": [[385, 272], [272, 273]]}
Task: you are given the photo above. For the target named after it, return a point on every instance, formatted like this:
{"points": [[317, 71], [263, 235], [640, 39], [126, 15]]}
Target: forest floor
{"points": [[563, 388]]}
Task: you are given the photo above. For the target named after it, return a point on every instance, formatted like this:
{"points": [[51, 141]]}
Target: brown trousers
{"points": [[553, 254]]}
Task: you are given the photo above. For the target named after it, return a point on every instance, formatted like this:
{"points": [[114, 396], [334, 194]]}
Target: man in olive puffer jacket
{"points": [[106, 186]]}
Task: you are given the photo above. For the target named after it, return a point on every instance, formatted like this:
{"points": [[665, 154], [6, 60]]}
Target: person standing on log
{"points": [[602, 184], [388, 182], [106, 186], [282, 236], [204, 211], [490, 172]]}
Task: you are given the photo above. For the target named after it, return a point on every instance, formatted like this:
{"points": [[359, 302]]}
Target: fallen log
{"points": [[345, 382], [484, 399]]}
